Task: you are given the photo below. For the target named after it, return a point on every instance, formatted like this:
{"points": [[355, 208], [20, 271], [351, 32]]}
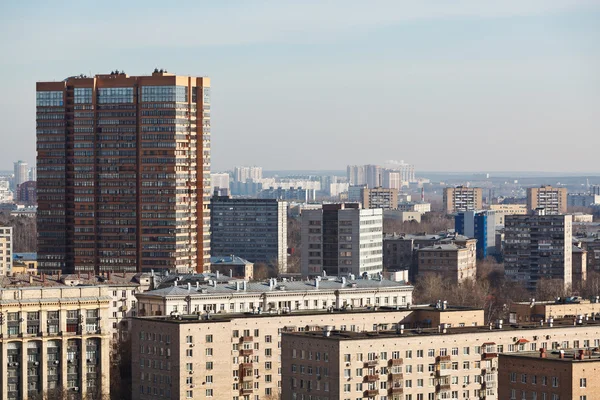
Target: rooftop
{"points": [[82, 279], [567, 356], [230, 260]]}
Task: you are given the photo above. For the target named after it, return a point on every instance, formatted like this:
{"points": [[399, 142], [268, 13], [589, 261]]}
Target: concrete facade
{"points": [[386, 199], [6, 250], [454, 261], [553, 200], [342, 239], [502, 210], [462, 198]]}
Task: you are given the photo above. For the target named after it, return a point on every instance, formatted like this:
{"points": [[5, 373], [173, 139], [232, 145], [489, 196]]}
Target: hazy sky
{"points": [[465, 85]]}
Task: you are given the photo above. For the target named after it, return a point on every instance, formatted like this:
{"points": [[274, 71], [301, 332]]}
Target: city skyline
{"points": [[518, 75]]}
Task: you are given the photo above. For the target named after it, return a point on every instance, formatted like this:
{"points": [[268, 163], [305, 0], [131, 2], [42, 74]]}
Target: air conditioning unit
{"points": [[56, 362], [36, 363]]}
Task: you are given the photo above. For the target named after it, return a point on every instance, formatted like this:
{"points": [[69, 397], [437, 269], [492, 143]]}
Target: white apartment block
{"points": [[342, 239], [221, 296], [54, 338], [6, 253], [219, 181]]}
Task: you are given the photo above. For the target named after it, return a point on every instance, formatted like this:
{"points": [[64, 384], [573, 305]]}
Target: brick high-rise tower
{"points": [[123, 173]]}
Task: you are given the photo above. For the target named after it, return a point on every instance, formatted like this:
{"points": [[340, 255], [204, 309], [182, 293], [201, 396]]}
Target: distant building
{"points": [[386, 199], [402, 216], [414, 206], [6, 195], [253, 229], [392, 179], [480, 225], [583, 218], [502, 210], [579, 271], [462, 198], [355, 193], [235, 267], [550, 374], [563, 308], [342, 239], [455, 261], [592, 246], [248, 188], [582, 200], [21, 173], [33, 174], [538, 246], [243, 174], [6, 250], [292, 194], [26, 193], [356, 175], [220, 181], [552, 200], [24, 263]]}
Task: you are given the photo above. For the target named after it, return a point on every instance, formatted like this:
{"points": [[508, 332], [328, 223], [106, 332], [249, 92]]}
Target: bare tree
{"points": [[548, 289], [120, 370], [24, 232]]}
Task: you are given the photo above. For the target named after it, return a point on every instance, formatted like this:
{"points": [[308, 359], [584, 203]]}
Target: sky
{"points": [[464, 85]]}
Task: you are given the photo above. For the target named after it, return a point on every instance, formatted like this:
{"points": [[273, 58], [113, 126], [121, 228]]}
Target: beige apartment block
{"points": [[385, 198], [238, 356], [579, 267], [54, 338], [566, 308], [552, 375], [503, 210], [417, 363], [6, 254], [552, 200], [455, 261], [462, 198]]}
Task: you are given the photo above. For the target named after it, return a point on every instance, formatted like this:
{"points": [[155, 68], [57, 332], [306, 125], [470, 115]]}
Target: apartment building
{"points": [[480, 225], [124, 168], [462, 198], [54, 339], [219, 181], [552, 375], [254, 229], [502, 210], [392, 179], [6, 253], [244, 174], [235, 266], [420, 207], [563, 308], [552, 200], [409, 361], [455, 261], [592, 246], [579, 267], [225, 295], [538, 246], [238, 356], [342, 239], [386, 199], [21, 169], [582, 199]]}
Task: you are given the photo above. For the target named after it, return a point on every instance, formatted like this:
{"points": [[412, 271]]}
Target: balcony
{"points": [[395, 390], [246, 391], [245, 365], [244, 339], [443, 387], [246, 352], [395, 361], [444, 372], [489, 356], [443, 358], [371, 393], [395, 377], [370, 363], [371, 378]]}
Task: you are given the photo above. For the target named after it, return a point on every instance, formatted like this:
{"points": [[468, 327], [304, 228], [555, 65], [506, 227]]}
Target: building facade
{"points": [[124, 167], [244, 174], [220, 181], [480, 225], [455, 261], [408, 360], [6, 250], [582, 200], [562, 374], [538, 246], [26, 193], [254, 229], [342, 239], [552, 200], [502, 210], [386, 199], [462, 198], [54, 339], [21, 173]]}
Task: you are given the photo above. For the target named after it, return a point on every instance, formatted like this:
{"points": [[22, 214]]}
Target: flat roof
{"points": [[554, 355]]}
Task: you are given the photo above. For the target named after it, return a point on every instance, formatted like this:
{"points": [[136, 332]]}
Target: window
{"points": [[189, 339], [513, 377], [189, 394], [431, 353], [554, 381], [209, 338], [582, 382]]}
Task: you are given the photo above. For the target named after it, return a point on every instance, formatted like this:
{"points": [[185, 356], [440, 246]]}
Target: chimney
{"points": [[561, 354], [78, 275], [30, 279], [542, 353], [270, 283], [43, 277], [189, 285], [217, 274], [580, 355], [316, 284], [231, 273], [244, 285], [108, 274], [197, 285], [237, 286], [214, 283], [343, 281]]}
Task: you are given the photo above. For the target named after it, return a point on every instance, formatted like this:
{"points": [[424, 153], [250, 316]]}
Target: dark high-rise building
{"points": [[124, 173]]}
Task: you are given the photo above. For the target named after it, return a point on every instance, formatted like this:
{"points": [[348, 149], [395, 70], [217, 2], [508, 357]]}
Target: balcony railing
{"points": [[371, 378], [395, 362], [370, 363], [395, 390], [371, 393]]}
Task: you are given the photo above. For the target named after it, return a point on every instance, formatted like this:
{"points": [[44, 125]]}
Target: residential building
{"points": [[132, 191], [455, 261], [192, 350], [407, 171], [407, 360], [386, 199], [21, 173], [592, 246], [402, 216], [355, 193], [235, 266], [579, 271], [552, 200], [288, 194], [480, 225], [462, 198], [538, 246], [222, 294], [582, 200], [244, 174], [502, 210], [583, 218], [552, 375], [32, 174], [356, 175], [220, 181], [26, 193], [392, 179], [24, 263], [6, 195], [342, 239], [563, 308], [414, 206], [369, 175], [6, 250], [53, 339], [253, 229]]}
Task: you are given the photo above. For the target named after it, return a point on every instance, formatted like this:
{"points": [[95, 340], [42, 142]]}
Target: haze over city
{"points": [[466, 86]]}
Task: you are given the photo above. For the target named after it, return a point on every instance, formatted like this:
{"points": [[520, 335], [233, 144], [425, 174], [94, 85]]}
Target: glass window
{"points": [[165, 93]]}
